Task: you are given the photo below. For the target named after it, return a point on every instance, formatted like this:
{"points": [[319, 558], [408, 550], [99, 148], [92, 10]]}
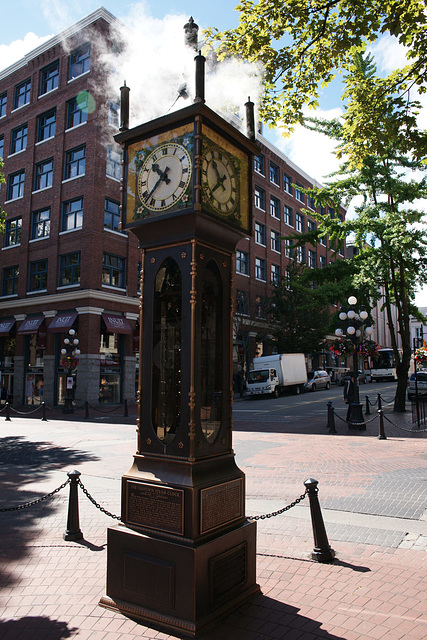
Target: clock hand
{"points": [[163, 178], [220, 181]]}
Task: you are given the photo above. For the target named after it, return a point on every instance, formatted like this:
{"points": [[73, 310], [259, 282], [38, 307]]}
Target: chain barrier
{"points": [[30, 504], [120, 406], [25, 413], [277, 513], [403, 428], [95, 503], [355, 423]]}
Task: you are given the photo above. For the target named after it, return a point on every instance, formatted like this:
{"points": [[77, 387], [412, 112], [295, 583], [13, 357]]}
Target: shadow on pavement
{"points": [[36, 627], [22, 463]]}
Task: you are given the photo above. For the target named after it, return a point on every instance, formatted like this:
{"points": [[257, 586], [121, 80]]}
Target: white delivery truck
{"points": [[273, 374]]}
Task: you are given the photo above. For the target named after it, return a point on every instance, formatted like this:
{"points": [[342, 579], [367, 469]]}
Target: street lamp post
{"points": [[418, 342], [69, 362], [354, 329]]}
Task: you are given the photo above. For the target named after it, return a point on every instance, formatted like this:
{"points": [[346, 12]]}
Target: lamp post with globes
{"points": [[354, 329], [69, 361]]}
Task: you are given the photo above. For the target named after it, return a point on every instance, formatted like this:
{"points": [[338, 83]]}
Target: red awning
{"points": [[6, 326], [116, 324], [30, 325], [62, 322]]}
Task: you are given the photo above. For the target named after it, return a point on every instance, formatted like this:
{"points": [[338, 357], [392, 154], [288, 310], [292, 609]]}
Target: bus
{"points": [[383, 366]]}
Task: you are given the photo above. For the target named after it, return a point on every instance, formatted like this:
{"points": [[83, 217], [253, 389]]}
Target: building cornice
{"points": [[70, 297], [67, 33]]}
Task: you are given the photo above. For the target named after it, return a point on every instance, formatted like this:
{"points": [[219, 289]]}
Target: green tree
{"points": [[388, 228], [304, 44], [299, 313]]}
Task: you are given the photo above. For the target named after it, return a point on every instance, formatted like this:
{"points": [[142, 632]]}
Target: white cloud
{"points": [[18, 48]]}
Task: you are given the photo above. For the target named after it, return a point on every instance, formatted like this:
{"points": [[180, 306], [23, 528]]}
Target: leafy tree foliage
{"points": [[303, 44], [388, 228]]}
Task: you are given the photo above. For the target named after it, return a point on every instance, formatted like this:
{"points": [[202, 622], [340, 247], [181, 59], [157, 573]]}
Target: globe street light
{"points": [[69, 362], [355, 331]]}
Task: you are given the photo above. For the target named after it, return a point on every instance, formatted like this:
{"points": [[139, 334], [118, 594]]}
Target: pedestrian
{"points": [[349, 390]]}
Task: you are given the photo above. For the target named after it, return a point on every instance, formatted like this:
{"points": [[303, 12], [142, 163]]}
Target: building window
{"points": [[43, 175], [15, 187], [260, 307], [275, 207], [38, 276], [75, 162], [275, 241], [46, 125], [322, 262], [242, 303], [12, 233], [300, 254], [311, 203], [49, 77], [114, 163], [259, 164], [40, 224], [69, 269], [18, 139], [111, 215], [260, 233], [311, 259], [331, 212], [114, 114], [72, 214], [1, 146], [3, 104], [275, 274], [311, 226], [260, 269], [299, 194], [274, 174], [288, 249], [113, 271], [10, 281], [242, 262], [341, 248], [287, 183], [322, 240], [260, 198], [22, 94], [289, 219], [80, 61], [77, 110], [299, 222]]}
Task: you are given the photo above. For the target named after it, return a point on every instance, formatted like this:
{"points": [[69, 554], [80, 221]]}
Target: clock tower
{"points": [[184, 553]]}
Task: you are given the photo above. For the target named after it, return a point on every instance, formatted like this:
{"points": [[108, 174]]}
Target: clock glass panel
{"points": [[160, 174]]}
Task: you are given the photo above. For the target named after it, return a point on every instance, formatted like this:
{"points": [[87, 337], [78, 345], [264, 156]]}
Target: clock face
{"points": [[164, 177], [220, 180]]}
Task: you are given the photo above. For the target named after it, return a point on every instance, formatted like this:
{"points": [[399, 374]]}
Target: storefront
{"points": [[111, 352], [33, 329], [59, 326], [7, 354]]}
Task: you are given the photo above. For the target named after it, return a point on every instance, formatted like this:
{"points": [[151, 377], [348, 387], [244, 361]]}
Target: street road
{"points": [[307, 405]]}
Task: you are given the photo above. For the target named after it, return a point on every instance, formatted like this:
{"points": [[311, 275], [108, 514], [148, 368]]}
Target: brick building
{"points": [[64, 261]]}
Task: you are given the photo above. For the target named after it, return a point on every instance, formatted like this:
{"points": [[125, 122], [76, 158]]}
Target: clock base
{"points": [[175, 587]]}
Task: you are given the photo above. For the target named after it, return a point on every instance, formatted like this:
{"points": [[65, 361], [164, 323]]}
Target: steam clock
{"points": [[184, 552]]}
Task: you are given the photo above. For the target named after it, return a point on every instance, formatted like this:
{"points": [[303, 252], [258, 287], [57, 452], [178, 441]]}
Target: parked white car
{"points": [[318, 380]]}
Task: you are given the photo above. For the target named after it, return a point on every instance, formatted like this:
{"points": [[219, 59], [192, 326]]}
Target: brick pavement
{"points": [[376, 588]]}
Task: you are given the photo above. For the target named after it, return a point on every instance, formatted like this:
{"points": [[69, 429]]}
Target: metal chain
{"points": [[277, 513], [120, 406], [96, 504], [25, 413], [355, 423], [30, 504], [403, 428]]}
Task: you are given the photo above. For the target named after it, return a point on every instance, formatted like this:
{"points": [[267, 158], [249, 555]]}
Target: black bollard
{"points": [[367, 409], [44, 419], [381, 435], [331, 418], [379, 402], [7, 407], [73, 531], [86, 410], [322, 551], [126, 413]]}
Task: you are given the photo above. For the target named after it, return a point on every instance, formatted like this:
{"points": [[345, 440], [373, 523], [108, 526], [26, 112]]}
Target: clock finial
{"points": [[191, 33]]}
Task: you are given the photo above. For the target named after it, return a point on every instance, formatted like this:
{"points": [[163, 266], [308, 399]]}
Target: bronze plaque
{"points": [[155, 507], [221, 504]]}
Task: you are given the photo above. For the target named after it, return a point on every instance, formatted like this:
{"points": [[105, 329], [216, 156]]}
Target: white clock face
{"points": [[164, 177], [219, 181]]}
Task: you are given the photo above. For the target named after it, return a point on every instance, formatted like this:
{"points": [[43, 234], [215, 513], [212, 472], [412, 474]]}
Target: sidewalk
{"points": [[373, 495]]}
